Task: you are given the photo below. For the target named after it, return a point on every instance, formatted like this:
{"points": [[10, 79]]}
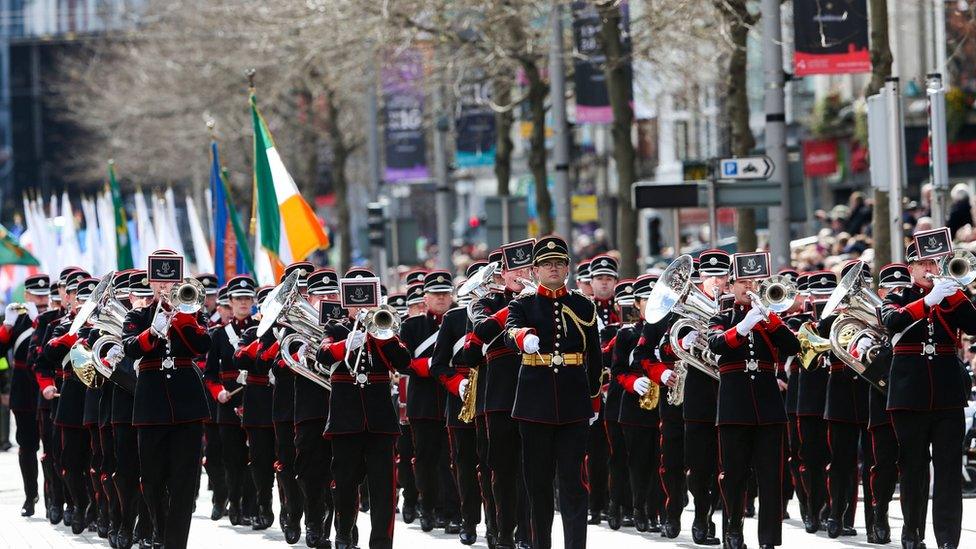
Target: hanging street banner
{"points": [[592, 98], [475, 121], [403, 98], [820, 158], [831, 37]]}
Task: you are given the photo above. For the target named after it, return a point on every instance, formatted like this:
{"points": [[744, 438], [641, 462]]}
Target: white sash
{"points": [[21, 338], [458, 345], [426, 344], [232, 336]]}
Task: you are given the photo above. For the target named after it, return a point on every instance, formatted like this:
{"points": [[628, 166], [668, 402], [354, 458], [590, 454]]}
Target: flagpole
{"points": [[254, 182]]}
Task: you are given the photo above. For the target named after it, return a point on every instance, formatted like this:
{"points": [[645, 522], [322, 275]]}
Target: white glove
{"points": [[355, 340], [753, 317], [665, 376], [642, 385], [942, 289], [31, 310], [689, 339], [862, 345], [114, 354], [530, 344], [160, 324], [10, 314], [595, 417], [223, 396], [301, 352], [49, 392], [463, 388], [242, 376]]}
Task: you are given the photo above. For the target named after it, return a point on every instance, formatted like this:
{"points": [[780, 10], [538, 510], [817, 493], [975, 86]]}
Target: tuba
{"points": [[674, 292]]}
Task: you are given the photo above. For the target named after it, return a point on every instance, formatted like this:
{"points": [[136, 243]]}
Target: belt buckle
{"points": [[928, 349], [361, 378], [168, 363], [557, 360], [752, 365]]}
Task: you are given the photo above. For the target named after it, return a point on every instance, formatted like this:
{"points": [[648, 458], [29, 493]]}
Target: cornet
{"points": [[186, 297], [959, 267]]}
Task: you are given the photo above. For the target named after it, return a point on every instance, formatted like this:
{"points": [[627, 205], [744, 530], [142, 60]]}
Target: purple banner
{"points": [[403, 99]]}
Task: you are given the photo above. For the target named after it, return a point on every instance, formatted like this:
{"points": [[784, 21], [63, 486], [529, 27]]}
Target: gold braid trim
{"points": [[566, 311]]}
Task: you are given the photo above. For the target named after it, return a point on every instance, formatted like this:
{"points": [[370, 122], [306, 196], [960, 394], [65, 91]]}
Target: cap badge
{"points": [[41, 283], [713, 261], [551, 245]]}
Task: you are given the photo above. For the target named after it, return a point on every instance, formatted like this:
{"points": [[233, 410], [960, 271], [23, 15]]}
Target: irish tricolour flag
{"points": [[287, 228]]}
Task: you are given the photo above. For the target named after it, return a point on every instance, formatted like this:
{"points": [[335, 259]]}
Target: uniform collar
{"points": [[605, 303], [552, 294], [240, 323], [435, 317], [922, 291]]}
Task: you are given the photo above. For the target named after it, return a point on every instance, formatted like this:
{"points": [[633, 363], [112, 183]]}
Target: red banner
{"points": [[819, 158]]}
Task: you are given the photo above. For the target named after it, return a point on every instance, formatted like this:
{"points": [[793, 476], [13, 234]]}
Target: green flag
{"points": [[12, 254], [123, 248]]}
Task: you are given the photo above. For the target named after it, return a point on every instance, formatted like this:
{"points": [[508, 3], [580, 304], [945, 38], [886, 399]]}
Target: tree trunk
{"points": [[340, 155], [618, 88], [537, 154], [739, 20], [504, 120], [880, 69]]}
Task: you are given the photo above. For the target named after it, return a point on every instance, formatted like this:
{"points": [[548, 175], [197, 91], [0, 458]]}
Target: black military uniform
{"points": [[447, 365], [168, 411], [846, 412], [811, 400], [363, 426], [751, 418], [794, 322], [928, 388], [405, 451], [15, 336], [311, 406], [600, 459], [213, 459], [221, 374], [425, 410], [495, 400], [258, 424], [638, 425], [557, 395]]}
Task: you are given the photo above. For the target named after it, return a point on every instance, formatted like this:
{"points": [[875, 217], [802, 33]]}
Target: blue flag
{"points": [[231, 255]]}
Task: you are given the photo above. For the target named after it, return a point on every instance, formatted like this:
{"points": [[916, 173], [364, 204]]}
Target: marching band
{"points": [[499, 398]]}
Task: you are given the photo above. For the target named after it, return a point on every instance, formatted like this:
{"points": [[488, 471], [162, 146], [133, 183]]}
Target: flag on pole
{"points": [[11, 253], [289, 230], [201, 248], [123, 248], [231, 255]]}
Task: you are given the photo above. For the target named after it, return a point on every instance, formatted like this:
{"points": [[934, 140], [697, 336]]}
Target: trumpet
{"points": [[776, 295], [186, 297], [959, 267], [382, 322]]}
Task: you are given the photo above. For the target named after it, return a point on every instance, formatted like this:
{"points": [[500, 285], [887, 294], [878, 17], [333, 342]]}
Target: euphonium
{"points": [[83, 364], [845, 332], [467, 412], [676, 394]]}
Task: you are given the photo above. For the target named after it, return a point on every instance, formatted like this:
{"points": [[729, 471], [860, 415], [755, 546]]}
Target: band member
{"points": [[221, 378], [496, 394], [363, 426], [927, 391], [795, 318], [638, 425], [884, 447], [751, 414], [583, 278], [258, 424], [405, 450], [170, 405], [449, 367], [69, 412], [211, 288], [126, 446], [811, 400], [846, 412], [425, 405], [557, 395], [15, 335], [603, 278], [701, 437], [213, 452]]}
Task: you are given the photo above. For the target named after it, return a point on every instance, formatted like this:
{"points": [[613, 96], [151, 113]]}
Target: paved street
{"points": [[36, 532]]}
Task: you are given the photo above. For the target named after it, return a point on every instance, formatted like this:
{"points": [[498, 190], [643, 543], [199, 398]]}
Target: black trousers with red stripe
{"points": [[126, 475], [598, 466], [291, 495], [484, 474], [169, 460], [240, 487], [644, 479], [761, 448], [428, 444], [404, 464], [28, 442], [75, 461], [101, 498], [844, 440], [313, 456], [106, 439], [213, 459], [793, 459], [508, 486], [701, 460], [558, 451], [620, 488], [53, 485], [883, 475], [370, 457], [464, 460], [672, 469], [261, 454], [813, 461]]}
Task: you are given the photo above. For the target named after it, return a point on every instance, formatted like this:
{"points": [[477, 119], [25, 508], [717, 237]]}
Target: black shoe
{"points": [[28, 509], [234, 514], [292, 534], [811, 524], [833, 528], [786, 514], [733, 540], [123, 540], [652, 525], [218, 511], [69, 515], [343, 543], [750, 508], [264, 519], [313, 536], [246, 519], [596, 518], [325, 544], [426, 523], [78, 523], [947, 545], [640, 521], [440, 522], [627, 521], [5, 445], [848, 531], [409, 513], [613, 520], [767, 546], [699, 535], [55, 514], [468, 537], [882, 532], [103, 526], [671, 530], [453, 527]]}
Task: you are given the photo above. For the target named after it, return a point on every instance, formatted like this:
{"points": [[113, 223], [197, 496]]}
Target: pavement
{"points": [[37, 532]]}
